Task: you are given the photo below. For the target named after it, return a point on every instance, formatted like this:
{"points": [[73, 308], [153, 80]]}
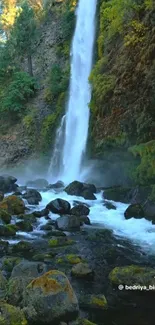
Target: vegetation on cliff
{"points": [[122, 105]]}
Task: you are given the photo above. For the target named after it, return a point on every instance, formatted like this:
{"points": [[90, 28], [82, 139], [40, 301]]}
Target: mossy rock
{"points": [[27, 217], [134, 211], [13, 205], [15, 289], [50, 299], [47, 257], [22, 246], [132, 275], [82, 270], [90, 302], [24, 226], [11, 315], [8, 230], [70, 259], [8, 263], [109, 205], [117, 194], [60, 241], [5, 216]]}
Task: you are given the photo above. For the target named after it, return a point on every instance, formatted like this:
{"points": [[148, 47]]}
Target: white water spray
{"points": [[77, 115]]}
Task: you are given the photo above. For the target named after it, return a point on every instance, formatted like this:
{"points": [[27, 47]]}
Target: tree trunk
{"points": [[30, 70]]}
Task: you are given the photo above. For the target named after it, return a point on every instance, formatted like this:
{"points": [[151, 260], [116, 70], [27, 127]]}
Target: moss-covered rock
{"points": [[28, 269], [8, 263], [24, 226], [117, 193], [109, 205], [134, 211], [132, 275], [11, 315], [30, 217], [22, 246], [15, 289], [80, 210], [90, 302], [60, 241], [82, 270], [32, 196], [70, 259], [50, 298], [5, 216], [8, 230], [13, 205]]}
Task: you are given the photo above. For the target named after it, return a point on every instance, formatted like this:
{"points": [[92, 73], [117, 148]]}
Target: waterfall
{"points": [[77, 113]]}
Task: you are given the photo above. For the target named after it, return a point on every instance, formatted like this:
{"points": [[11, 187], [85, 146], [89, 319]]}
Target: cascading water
{"points": [[77, 115]]}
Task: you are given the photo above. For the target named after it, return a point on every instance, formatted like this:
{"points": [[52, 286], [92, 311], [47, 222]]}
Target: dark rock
{"points": [[149, 210], [117, 193], [3, 286], [90, 187], [77, 188], [139, 194], [27, 217], [41, 213], [109, 205], [7, 183], [88, 195], [38, 183], [32, 196], [90, 302], [22, 246], [76, 202], [68, 223], [59, 206], [4, 245], [80, 210], [46, 227], [50, 299], [134, 211], [133, 275]]}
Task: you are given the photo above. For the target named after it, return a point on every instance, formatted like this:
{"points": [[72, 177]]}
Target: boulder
{"points": [[13, 205], [97, 302], [84, 220], [38, 183], [81, 189], [88, 195], [68, 223], [49, 299], [28, 269], [60, 242], [4, 246], [22, 246], [82, 270], [132, 275], [5, 216], [134, 211], [80, 210], [11, 315], [149, 210], [59, 206], [30, 217], [7, 184], [117, 193], [32, 196]]}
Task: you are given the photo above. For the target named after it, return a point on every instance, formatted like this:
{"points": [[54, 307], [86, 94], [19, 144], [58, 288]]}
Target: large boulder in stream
{"points": [[49, 299], [59, 206], [134, 211], [81, 189], [56, 186], [32, 196], [80, 210], [117, 193], [13, 205], [7, 183]]}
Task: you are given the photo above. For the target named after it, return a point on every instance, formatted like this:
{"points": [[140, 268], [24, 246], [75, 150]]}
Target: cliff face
{"points": [[122, 129], [33, 135]]}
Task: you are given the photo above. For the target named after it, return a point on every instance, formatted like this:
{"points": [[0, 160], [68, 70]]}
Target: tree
{"points": [[9, 11], [24, 34]]}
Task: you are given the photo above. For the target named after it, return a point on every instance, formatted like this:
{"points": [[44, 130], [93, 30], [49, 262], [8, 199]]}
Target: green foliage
{"points": [[17, 93], [136, 35], [145, 172], [149, 4]]}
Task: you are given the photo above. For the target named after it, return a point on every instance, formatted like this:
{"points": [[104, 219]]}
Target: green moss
{"points": [[132, 275], [11, 315], [69, 259], [99, 302], [61, 241], [145, 172]]}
